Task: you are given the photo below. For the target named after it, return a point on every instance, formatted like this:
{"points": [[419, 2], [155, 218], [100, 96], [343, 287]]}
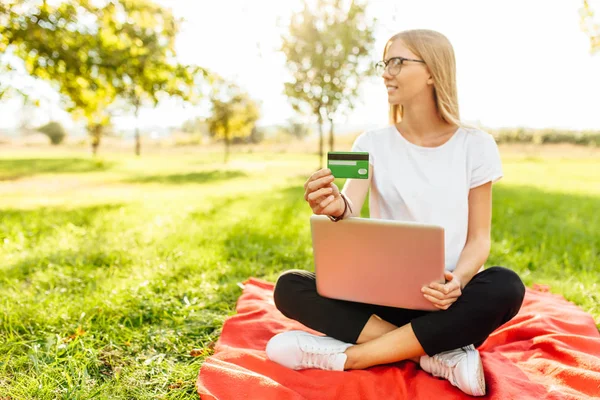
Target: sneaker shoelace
{"points": [[315, 357], [442, 365]]}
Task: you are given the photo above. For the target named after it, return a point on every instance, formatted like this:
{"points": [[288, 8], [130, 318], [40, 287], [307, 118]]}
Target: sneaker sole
{"points": [[478, 384]]}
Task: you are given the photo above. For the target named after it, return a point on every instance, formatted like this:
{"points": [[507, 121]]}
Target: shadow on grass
{"points": [[31, 228], [69, 265], [274, 239], [192, 177], [13, 169]]}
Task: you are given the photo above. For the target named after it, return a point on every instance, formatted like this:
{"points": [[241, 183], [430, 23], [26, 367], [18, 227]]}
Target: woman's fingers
{"points": [[319, 174], [453, 294], [441, 304], [316, 195], [321, 194], [327, 201], [327, 190], [446, 288], [336, 190], [436, 302], [318, 186], [436, 294], [322, 205], [440, 287], [319, 183], [446, 302]]}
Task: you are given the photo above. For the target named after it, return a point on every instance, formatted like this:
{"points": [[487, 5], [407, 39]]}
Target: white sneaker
{"points": [[302, 350], [462, 367]]}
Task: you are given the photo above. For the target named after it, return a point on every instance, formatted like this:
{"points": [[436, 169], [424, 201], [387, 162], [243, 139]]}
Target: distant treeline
{"points": [[544, 136]]}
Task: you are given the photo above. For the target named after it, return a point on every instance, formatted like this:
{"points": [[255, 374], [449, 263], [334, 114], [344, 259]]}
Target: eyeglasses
{"points": [[393, 65]]}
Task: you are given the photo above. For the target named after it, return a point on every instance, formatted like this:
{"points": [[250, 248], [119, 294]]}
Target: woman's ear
{"points": [[429, 78]]}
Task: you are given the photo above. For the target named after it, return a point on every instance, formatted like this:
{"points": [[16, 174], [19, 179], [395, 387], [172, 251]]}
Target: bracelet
{"points": [[346, 206]]}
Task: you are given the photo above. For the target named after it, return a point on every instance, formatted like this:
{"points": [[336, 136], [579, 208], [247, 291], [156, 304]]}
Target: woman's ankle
{"points": [[351, 358]]}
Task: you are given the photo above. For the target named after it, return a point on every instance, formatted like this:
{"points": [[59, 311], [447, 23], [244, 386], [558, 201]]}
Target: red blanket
{"points": [[550, 350]]}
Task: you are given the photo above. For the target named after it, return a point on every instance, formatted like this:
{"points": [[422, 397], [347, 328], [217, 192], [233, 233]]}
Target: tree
{"points": [[327, 49], [13, 78], [148, 36], [55, 47], [590, 28], [55, 132], [234, 113], [5, 89], [93, 51]]}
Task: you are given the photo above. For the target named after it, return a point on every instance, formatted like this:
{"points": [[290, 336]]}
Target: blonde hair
{"points": [[437, 52]]}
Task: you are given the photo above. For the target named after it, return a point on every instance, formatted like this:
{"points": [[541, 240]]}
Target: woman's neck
{"points": [[422, 125]]}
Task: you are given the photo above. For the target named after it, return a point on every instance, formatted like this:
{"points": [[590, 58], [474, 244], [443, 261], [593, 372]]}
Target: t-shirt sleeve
{"points": [[486, 165], [363, 143]]}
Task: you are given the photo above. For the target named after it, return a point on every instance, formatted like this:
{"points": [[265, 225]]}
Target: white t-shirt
{"points": [[429, 184]]}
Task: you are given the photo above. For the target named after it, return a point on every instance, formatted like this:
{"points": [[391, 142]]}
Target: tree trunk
{"points": [[320, 142], [226, 148], [96, 133], [138, 143], [331, 137]]}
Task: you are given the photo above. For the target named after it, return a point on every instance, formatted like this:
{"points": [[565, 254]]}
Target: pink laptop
{"points": [[377, 261]]}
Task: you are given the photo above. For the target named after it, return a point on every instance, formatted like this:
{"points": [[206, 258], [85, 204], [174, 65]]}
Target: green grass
{"points": [[20, 168], [115, 271]]}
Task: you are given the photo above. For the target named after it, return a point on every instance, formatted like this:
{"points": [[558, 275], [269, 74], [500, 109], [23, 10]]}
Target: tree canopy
{"points": [[590, 26], [234, 113], [95, 52], [327, 50]]}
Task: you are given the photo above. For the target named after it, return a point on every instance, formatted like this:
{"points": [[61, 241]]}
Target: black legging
{"points": [[490, 299]]}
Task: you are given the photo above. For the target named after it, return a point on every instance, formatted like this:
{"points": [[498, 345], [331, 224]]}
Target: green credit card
{"points": [[344, 164]]}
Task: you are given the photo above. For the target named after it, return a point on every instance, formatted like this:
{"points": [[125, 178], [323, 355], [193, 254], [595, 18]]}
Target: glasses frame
{"points": [[383, 65]]}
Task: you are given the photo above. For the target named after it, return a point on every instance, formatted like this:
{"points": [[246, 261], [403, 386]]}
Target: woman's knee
{"points": [[288, 288], [509, 288]]}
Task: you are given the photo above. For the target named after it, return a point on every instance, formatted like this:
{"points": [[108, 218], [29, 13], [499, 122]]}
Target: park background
{"points": [[152, 156]]}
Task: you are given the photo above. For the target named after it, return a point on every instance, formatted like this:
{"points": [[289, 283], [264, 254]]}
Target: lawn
{"points": [[117, 273]]}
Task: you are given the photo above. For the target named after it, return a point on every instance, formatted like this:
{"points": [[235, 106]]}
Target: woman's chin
{"points": [[393, 101]]}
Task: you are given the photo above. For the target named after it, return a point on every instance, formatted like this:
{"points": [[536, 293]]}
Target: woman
{"points": [[425, 167]]}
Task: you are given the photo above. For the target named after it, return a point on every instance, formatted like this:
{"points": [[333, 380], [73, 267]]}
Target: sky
{"points": [[519, 63]]}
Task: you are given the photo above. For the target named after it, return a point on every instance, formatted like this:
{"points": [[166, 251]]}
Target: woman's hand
{"points": [[443, 295], [322, 195]]}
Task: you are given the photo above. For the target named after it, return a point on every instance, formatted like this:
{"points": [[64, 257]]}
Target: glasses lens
{"points": [[380, 67], [394, 66]]}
